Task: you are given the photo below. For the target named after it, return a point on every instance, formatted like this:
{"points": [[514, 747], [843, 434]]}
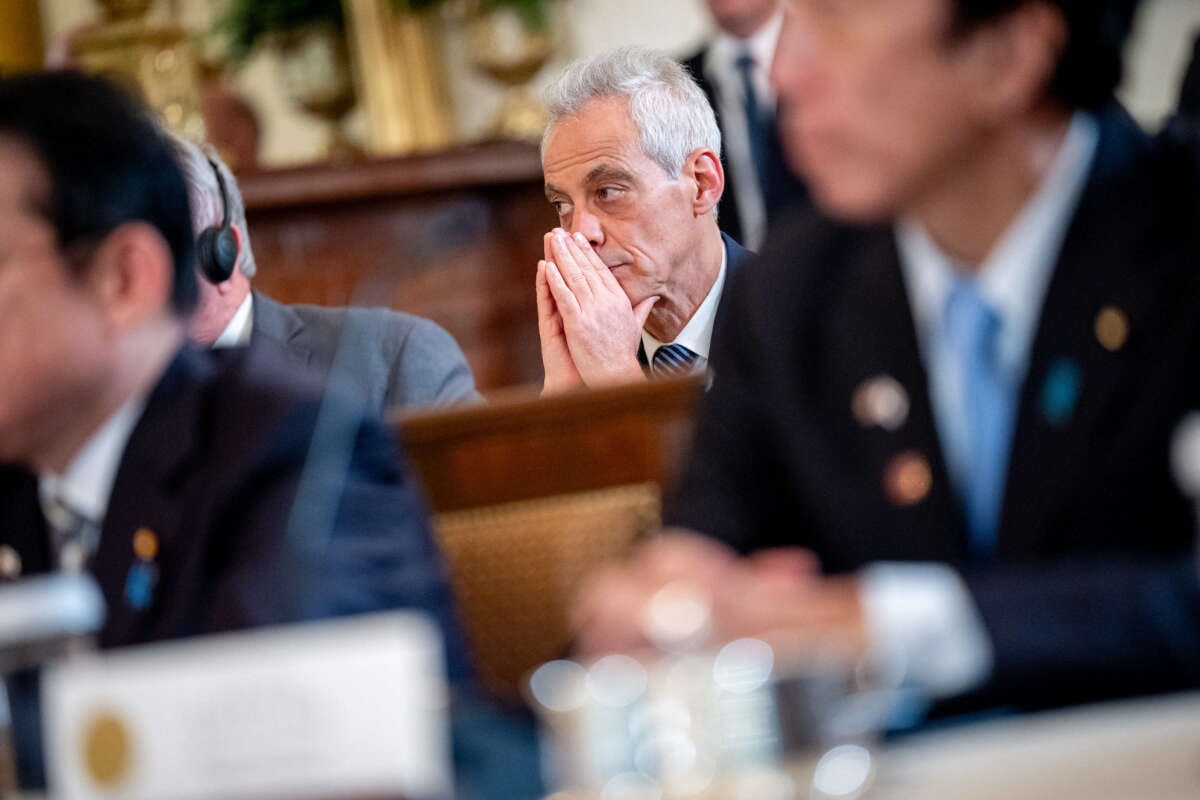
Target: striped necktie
{"points": [[673, 359]]}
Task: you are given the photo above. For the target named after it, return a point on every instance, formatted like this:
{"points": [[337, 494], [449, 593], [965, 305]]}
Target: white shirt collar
{"points": [[1016, 273], [697, 333], [721, 57], [237, 332], [86, 484]]}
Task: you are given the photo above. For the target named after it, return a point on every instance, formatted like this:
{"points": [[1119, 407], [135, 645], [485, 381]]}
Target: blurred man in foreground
{"points": [[205, 491], [390, 357], [633, 278], [958, 398]]}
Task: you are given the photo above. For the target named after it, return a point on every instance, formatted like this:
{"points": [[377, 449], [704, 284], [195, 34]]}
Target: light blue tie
{"points": [[673, 359], [973, 327]]}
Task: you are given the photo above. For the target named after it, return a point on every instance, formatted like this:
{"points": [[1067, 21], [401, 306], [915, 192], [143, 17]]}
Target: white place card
{"points": [[356, 707]]}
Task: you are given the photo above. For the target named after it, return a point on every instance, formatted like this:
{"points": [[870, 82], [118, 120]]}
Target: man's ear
{"points": [[703, 166], [1013, 59], [132, 274]]}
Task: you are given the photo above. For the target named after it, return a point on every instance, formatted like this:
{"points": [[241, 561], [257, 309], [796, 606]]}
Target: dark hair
{"points": [[108, 163], [1092, 63]]}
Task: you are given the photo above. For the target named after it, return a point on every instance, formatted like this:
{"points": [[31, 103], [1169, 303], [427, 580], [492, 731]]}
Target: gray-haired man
{"points": [[632, 278], [390, 357]]}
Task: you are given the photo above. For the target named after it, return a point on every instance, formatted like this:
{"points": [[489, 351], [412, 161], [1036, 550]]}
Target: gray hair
{"points": [[670, 111], [204, 194]]}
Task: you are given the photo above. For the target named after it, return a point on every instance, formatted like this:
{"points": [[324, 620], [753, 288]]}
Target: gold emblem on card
{"points": [[107, 750]]}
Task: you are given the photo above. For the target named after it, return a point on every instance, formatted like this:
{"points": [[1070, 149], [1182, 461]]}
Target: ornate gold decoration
{"points": [[315, 71], [401, 77], [20, 36], [508, 49], [155, 60]]}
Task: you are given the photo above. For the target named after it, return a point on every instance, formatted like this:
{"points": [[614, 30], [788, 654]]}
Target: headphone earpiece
{"points": [[217, 246]]}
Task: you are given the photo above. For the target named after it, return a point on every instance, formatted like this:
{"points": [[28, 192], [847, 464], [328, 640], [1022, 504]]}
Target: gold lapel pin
{"points": [[145, 544], [1112, 328], [881, 401], [907, 479], [10, 563]]}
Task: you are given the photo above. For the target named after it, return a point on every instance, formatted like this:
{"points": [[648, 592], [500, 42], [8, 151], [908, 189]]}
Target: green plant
{"points": [[246, 22], [535, 12]]}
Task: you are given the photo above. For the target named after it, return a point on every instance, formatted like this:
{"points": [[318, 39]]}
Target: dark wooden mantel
{"points": [[454, 236]]}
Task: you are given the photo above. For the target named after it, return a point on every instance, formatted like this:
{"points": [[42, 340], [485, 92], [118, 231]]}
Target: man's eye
{"points": [[560, 206], [609, 193]]}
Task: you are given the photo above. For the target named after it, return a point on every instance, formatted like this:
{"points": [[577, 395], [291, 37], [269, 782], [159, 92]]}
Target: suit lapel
{"points": [[146, 496], [22, 526], [1071, 382], [283, 326], [874, 337]]}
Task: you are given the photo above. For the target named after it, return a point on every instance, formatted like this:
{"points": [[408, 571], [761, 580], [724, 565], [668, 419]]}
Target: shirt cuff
{"points": [[925, 628]]}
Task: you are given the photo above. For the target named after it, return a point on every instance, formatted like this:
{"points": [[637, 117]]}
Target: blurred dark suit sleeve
{"points": [[1189, 89], [1092, 629]]}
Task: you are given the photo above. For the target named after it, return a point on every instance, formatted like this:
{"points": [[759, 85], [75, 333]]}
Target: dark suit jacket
{"points": [[1189, 87], [782, 190], [253, 527], [780, 458], [392, 358]]}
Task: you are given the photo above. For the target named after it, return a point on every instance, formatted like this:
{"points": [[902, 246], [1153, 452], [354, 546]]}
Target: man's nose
{"points": [[588, 224]]}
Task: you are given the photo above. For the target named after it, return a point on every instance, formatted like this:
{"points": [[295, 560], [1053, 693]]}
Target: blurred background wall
{"points": [[289, 136]]}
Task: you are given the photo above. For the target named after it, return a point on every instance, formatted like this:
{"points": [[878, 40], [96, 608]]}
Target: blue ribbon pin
{"points": [[1060, 392]]}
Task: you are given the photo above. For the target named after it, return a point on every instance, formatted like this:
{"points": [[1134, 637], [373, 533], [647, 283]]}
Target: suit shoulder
{"points": [[807, 258]]}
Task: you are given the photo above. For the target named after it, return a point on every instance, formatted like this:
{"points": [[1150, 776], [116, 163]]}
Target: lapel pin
{"points": [[1060, 392], [1112, 328], [881, 401], [143, 574], [10, 563], [907, 479]]}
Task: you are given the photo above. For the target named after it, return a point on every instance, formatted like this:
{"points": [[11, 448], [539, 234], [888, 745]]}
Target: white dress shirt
{"points": [[697, 333], [86, 484], [237, 332], [720, 65], [921, 616]]}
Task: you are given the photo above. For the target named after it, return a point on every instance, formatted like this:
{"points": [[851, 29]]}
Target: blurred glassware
{"points": [[737, 723]]}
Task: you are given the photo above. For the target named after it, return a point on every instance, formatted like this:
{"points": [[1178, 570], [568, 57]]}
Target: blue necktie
{"points": [[673, 359], [988, 400], [756, 127]]}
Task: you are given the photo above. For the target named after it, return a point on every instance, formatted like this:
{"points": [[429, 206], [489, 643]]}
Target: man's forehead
{"points": [[583, 149]]}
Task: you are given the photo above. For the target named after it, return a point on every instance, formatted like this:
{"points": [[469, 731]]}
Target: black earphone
{"points": [[217, 247]]}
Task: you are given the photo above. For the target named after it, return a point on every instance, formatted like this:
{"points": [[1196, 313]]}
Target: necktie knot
{"points": [[73, 536], [673, 359], [744, 62], [972, 322]]}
